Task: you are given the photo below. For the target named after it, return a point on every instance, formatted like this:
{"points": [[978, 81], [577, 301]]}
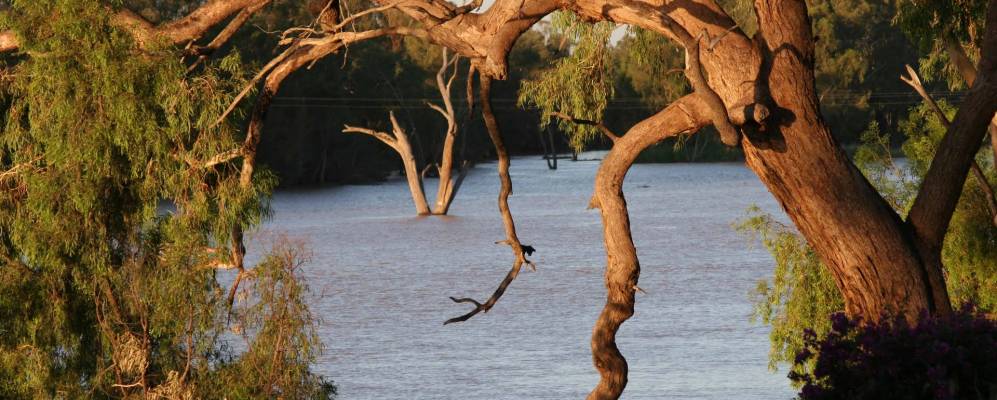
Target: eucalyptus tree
{"points": [[758, 92]]}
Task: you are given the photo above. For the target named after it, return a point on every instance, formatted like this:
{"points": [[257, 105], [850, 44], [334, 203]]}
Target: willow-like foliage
{"points": [[800, 295], [112, 228], [929, 23], [578, 85]]}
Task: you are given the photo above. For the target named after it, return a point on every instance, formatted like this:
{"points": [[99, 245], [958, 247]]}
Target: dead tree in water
{"points": [[398, 141], [448, 184]]}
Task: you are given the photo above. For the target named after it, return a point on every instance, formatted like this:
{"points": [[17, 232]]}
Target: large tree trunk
{"points": [[860, 238]]}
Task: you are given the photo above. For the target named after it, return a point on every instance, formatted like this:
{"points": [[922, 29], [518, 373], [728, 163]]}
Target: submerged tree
{"points": [[398, 141]]}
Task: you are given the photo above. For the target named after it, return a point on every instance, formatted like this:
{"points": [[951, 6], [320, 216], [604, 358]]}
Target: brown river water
{"points": [[381, 278]]}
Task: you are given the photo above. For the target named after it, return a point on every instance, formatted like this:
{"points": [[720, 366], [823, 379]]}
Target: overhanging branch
{"points": [[188, 28]]}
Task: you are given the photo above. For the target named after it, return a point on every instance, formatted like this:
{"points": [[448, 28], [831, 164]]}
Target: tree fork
{"points": [[988, 193], [400, 143]]}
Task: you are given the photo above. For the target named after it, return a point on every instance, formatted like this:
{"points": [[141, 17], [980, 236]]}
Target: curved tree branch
{"points": [[687, 114], [491, 123]]}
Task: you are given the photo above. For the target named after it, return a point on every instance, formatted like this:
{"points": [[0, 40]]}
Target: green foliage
{"points": [[558, 88], [278, 331], [891, 178], [930, 23], [800, 295], [969, 252], [110, 227], [652, 65]]}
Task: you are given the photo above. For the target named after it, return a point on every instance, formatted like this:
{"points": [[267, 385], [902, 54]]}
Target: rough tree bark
{"points": [[966, 68], [859, 237], [399, 142], [687, 114]]}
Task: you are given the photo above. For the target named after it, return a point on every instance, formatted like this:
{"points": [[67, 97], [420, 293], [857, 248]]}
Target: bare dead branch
{"points": [[400, 143], [465, 300], [383, 137]]}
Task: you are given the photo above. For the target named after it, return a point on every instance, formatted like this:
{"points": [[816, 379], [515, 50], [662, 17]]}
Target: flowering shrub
{"points": [[938, 358]]}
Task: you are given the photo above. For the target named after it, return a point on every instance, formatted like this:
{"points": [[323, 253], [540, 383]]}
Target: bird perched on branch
{"points": [[326, 13]]}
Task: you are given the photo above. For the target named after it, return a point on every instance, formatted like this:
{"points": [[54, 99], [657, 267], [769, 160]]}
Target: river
{"points": [[381, 278]]}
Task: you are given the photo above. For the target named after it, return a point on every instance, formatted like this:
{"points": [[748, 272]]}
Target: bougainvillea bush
{"points": [[937, 358]]}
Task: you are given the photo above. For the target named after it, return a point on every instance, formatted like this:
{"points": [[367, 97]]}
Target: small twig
{"points": [[15, 170]]}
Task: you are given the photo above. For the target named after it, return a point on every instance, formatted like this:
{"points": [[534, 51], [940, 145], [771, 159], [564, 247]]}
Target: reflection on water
{"points": [[384, 277]]}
